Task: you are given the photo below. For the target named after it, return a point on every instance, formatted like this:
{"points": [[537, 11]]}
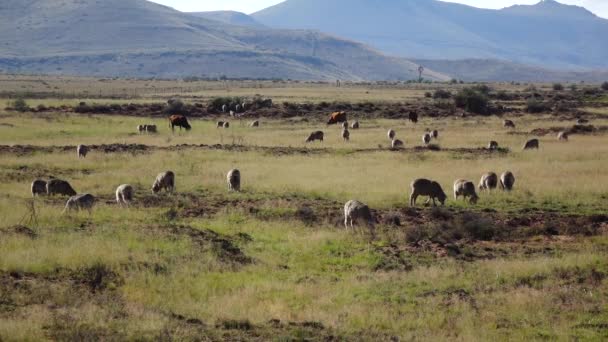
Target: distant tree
{"points": [[472, 100], [605, 86], [558, 87], [573, 87], [441, 94], [20, 105]]}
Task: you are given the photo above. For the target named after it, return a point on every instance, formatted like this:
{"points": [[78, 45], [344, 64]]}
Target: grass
{"points": [[207, 264]]}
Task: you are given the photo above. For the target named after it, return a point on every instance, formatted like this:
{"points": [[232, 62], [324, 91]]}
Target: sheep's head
{"points": [[156, 187]]}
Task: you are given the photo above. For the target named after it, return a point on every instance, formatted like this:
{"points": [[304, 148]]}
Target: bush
{"points": [[175, 106], [558, 87], [605, 86], [441, 94], [472, 100], [482, 88], [20, 105], [573, 87], [428, 94], [536, 106]]}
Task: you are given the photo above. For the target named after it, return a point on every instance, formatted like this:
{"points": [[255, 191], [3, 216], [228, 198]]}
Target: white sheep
{"points": [[124, 194]]}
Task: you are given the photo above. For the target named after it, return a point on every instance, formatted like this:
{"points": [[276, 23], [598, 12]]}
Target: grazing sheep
{"points": [[396, 143], [345, 124], [245, 106], [426, 138], [124, 194], [345, 134], [488, 181], [425, 187], [224, 108], [531, 144], [562, 136], [318, 135], [226, 124], [59, 187], [219, 124], [582, 121], [164, 180], [493, 145], [507, 180], [234, 180], [509, 124], [151, 129], [256, 123], [391, 134], [354, 211], [141, 128], [465, 189], [413, 117], [435, 134], [82, 151], [355, 125], [80, 202], [237, 108], [38, 187]]}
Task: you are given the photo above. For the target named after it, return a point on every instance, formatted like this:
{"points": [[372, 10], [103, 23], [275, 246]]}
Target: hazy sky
{"points": [[599, 7]]}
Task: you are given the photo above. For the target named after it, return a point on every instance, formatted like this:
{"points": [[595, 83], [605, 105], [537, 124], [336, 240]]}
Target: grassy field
{"points": [[274, 262]]}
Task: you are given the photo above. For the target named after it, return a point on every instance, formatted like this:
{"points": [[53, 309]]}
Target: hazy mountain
{"points": [[140, 38], [548, 33], [229, 17]]}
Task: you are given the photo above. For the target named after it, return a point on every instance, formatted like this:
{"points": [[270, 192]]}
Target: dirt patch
{"points": [[576, 129]]}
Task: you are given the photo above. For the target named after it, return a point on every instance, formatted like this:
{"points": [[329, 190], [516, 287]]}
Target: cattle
{"points": [[226, 124], [234, 180], [337, 117], [80, 202], [318, 135], [180, 121], [219, 124], [492, 145], [531, 144], [507, 180], [256, 123], [488, 181], [391, 134], [563, 136], [59, 187], [508, 124], [355, 211], [465, 189], [413, 117], [425, 187], [355, 125], [38, 187], [396, 143], [164, 180], [435, 134], [124, 195], [426, 138], [82, 151], [345, 134]]}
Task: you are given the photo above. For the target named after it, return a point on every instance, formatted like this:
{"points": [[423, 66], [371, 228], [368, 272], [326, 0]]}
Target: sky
{"points": [[599, 7]]}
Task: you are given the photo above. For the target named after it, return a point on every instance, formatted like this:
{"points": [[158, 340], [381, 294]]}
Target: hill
{"points": [[548, 33], [137, 38], [229, 17]]}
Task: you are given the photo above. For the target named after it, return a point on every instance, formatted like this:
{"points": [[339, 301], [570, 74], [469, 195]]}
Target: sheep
{"points": [[582, 121], [507, 180], [396, 143], [465, 189], [234, 180], [59, 187], [164, 180], [508, 124], [256, 123], [435, 134], [226, 124], [345, 134], [318, 135], [355, 125], [425, 187], [82, 151], [493, 145], [531, 144], [391, 134], [355, 210], [38, 187], [245, 106], [141, 128], [151, 129], [563, 136], [80, 202], [426, 138], [237, 108], [345, 124], [224, 108], [124, 194], [219, 124], [488, 181]]}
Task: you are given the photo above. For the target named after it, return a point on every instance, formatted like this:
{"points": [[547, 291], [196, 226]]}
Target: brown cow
{"points": [[180, 121], [337, 117], [413, 117]]}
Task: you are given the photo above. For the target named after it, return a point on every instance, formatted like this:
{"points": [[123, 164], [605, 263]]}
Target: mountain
{"points": [[548, 34], [138, 38], [229, 17]]}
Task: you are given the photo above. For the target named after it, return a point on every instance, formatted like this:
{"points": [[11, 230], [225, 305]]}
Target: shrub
{"points": [[558, 87], [20, 105], [605, 86], [482, 88], [428, 94], [535, 106], [441, 94], [472, 101], [175, 106], [573, 87]]}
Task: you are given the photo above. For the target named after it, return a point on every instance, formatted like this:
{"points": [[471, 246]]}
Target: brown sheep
{"points": [[413, 117], [219, 124], [59, 187], [425, 187], [488, 181], [354, 211], [345, 124], [38, 187], [507, 180], [391, 134], [151, 129], [396, 143], [318, 135], [493, 145], [508, 124], [563, 136], [531, 144], [355, 125], [124, 195], [426, 138], [164, 180], [435, 134], [465, 189], [226, 124], [234, 180], [82, 151], [80, 202], [345, 134]]}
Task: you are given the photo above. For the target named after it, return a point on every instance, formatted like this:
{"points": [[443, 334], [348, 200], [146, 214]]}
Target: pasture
{"points": [[274, 262]]}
